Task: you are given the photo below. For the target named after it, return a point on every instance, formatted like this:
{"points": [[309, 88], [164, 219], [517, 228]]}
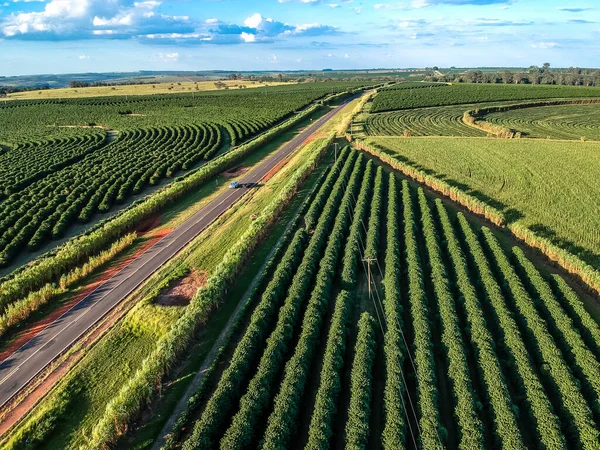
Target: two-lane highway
{"points": [[18, 369]]}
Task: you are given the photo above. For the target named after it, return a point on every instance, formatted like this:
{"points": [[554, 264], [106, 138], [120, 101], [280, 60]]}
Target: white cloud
{"points": [[248, 37], [75, 19], [168, 57], [545, 45], [84, 57], [253, 21]]}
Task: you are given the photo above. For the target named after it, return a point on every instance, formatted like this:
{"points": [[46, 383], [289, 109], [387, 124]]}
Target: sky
{"points": [[72, 36]]}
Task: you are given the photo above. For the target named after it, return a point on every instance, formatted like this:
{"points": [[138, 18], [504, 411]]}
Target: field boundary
{"points": [[568, 261]]}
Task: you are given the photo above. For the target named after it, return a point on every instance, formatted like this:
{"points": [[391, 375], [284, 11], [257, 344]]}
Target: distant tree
{"points": [[507, 76], [233, 76], [546, 67], [78, 84]]}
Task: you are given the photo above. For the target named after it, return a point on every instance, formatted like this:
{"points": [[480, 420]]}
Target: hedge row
{"points": [[466, 408], [259, 388], [139, 389], [20, 310], [361, 377], [321, 424], [432, 431], [564, 386], [503, 413], [283, 420], [567, 337], [394, 431]]}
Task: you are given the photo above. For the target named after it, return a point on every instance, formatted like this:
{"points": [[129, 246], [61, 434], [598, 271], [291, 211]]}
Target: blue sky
{"points": [[60, 36]]}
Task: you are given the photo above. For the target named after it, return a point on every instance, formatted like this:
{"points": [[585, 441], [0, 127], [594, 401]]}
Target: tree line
{"points": [[573, 76]]}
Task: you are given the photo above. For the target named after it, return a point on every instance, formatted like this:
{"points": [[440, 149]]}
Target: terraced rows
{"points": [[438, 121], [557, 122]]}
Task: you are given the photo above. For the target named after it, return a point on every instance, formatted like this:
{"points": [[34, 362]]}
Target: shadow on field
{"points": [[583, 253]]}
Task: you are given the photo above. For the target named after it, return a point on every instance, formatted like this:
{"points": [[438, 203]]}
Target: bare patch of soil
{"points": [[181, 293], [236, 172], [149, 224], [135, 115]]}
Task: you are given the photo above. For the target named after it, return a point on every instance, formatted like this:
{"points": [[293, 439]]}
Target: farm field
{"points": [[159, 87], [94, 381], [91, 174], [444, 291], [555, 122], [433, 121], [392, 99], [523, 178]]}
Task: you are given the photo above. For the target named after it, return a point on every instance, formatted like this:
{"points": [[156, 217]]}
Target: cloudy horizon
{"points": [[71, 36]]}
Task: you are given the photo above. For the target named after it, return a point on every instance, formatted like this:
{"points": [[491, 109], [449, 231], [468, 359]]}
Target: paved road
{"points": [[18, 369]]}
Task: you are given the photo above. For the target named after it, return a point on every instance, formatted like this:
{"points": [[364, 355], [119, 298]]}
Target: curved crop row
{"points": [[434, 121], [110, 175]]}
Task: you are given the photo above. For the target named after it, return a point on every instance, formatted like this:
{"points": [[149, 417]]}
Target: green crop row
{"points": [[372, 245], [466, 408], [432, 431], [538, 406], [546, 353], [394, 433], [361, 378], [321, 424], [282, 421], [312, 216], [564, 330], [589, 327], [504, 418]]}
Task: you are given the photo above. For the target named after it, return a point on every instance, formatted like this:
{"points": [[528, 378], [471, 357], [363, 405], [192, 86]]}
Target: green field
{"points": [[555, 122], [65, 418], [392, 99], [291, 379], [433, 121], [551, 186], [71, 180]]}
